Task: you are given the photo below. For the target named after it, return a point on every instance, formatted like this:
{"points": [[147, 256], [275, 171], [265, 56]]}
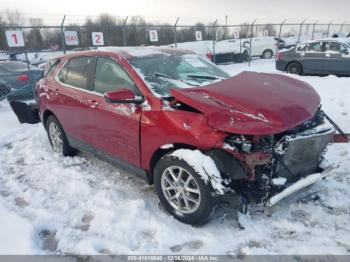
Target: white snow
{"points": [[279, 181], [204, 165], [16, 237], [97, 208]]}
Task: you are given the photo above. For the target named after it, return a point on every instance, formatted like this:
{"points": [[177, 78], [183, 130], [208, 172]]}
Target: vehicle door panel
{"points": [[115, 127], [69, 104]]}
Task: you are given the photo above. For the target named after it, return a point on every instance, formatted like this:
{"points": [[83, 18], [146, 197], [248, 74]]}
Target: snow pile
{"points": [[16, 234], [203, 165]]}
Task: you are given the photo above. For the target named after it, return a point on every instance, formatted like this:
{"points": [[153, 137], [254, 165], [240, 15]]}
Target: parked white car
{"points": [[203, 48], [264, 47]]}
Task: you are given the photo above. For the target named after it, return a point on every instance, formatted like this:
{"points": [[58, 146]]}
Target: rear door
{"points": [[311, 57], [115, 127], [71, 97]]}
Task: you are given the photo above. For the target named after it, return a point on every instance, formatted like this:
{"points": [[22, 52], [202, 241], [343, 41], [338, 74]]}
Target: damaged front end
{"points": [[269, 168]]}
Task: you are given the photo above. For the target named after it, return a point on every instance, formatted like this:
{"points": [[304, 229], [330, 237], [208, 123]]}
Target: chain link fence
{"points": [[220, 43]]}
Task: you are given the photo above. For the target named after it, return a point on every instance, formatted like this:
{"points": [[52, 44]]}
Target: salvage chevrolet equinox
{"points": [[185, 125]]}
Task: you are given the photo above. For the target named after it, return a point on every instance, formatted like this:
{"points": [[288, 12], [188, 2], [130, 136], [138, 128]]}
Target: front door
{"points": [[335, 61], [114, 127]]}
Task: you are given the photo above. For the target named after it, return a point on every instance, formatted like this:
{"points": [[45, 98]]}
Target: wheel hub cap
{"points": [[56, 137], [180, 189]]}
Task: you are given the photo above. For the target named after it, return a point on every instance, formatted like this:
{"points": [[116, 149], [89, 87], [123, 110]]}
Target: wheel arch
{"points": [[46, 115], [160, 152], [295, 61]]}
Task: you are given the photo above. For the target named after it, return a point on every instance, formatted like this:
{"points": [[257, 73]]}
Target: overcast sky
{"points": [[205, 10]]}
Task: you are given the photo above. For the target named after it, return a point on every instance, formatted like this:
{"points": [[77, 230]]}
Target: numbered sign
{"points": [[97, 38], [14, 38], [236, 33], [199, 36], [266, 33], [71, 38], [153, 35]]}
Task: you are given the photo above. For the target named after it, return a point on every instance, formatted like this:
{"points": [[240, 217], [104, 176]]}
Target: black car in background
{"points": [[17, 80], [317, 57]]}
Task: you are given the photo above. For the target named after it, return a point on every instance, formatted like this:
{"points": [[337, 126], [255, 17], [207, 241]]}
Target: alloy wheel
{"points": [[180, 189], [56, 137]]}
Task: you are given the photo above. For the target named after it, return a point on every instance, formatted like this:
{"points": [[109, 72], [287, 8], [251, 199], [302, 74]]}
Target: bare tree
{"points": [[14, 18]]}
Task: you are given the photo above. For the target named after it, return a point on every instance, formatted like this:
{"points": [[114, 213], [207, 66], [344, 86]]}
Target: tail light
{"points": [[279, 56], [22, 78], [210, 56]]}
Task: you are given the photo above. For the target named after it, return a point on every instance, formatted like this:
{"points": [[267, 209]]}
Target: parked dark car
{"points": [[318, 57], [18, 80], [178, 120]]}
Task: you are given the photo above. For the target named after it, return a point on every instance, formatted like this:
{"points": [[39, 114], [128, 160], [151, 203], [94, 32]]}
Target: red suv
{"points": [[178, 120]]}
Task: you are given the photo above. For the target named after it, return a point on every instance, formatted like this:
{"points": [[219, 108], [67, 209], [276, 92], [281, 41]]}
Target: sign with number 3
{"points": [[97, 38], [14, 38], [153, 35]]}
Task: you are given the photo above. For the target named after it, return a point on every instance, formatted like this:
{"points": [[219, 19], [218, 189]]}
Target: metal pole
{"points": [[62, 35], [124, 31], [329, 25], [214, 39], [341, 27], [313, 30], [250, 42], [175, 34], [226, 29], [279, 36], [301, 25]]}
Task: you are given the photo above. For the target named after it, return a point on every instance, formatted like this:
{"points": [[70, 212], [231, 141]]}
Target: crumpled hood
{"points": [[253, 103]]}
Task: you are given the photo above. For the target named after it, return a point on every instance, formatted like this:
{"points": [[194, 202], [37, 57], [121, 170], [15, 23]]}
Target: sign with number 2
{"points": [[14, 38], [97, 38]]}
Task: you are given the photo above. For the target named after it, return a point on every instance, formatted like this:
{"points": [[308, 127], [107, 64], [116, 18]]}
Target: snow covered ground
{"points": [[80, 205]]}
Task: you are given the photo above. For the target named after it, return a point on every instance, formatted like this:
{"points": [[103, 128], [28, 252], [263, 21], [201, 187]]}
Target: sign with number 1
{"points": [[14, 38], [199, 36], [97, 38]]}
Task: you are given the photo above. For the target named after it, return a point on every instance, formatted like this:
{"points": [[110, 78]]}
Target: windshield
{"points": [[163, 72]]}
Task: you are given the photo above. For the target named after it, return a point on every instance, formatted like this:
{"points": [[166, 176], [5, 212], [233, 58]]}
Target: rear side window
{"points": [[50, 67], [76, 72], [315, 47]]}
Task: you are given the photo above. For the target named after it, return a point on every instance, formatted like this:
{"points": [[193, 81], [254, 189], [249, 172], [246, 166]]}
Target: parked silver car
{"points": [[317, 57]]}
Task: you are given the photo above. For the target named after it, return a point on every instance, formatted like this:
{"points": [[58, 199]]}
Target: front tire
{"points": [[267, 54], [182, 192], [57, 137]]}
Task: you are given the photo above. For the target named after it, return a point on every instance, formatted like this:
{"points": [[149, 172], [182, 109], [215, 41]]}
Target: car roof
{"points": [[132, 52], [338, 39]]}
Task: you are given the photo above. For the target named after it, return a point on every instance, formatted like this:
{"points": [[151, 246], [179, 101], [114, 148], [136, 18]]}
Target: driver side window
{"points": [[110, 76]]}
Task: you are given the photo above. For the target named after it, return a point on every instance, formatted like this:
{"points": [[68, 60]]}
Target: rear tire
{"points": [[57, 137], [184, 210], [294, 68]]}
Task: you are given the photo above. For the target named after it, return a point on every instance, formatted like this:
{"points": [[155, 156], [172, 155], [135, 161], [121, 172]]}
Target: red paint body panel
{"points": [[253, 103]]}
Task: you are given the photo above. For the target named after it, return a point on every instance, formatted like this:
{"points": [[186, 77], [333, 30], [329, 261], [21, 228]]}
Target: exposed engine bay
{"points": [[263, 166]]}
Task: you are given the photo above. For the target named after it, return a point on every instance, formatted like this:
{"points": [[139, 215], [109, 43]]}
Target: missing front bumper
{"points": [[297, 186]]}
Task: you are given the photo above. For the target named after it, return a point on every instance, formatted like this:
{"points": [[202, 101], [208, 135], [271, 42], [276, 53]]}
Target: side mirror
{"points": [[344, 51], [122, 96]]}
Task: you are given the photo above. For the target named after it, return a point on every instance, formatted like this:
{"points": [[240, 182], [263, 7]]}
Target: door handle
{"points": [[302, 54], [93, 103], [327, 55]]}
